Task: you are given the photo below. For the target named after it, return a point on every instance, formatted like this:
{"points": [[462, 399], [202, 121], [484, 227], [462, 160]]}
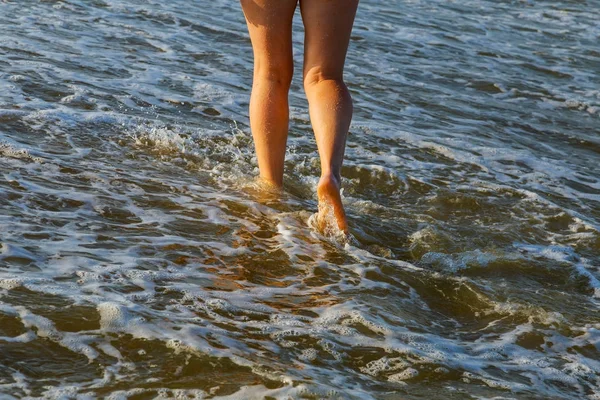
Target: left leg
{"points": [[270, 28]]}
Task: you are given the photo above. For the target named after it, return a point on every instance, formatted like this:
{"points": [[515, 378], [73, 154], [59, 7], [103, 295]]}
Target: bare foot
{"points": [[267, 184], [264, 191], [330, 202]]}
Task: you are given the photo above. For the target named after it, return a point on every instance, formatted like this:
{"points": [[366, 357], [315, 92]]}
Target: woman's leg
{"points": [[270, 28], [328, 24]]}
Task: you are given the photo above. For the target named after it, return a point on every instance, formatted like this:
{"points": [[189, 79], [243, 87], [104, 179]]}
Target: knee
{"points": [[316, 75], [279, 74]]}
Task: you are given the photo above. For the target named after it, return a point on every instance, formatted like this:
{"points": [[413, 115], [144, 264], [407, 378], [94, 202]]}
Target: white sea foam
{"points": [[131, 238]]}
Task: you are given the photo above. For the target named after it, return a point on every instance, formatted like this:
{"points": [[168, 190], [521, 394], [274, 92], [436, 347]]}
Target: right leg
{"points": [[270, 28], [328, 24]]}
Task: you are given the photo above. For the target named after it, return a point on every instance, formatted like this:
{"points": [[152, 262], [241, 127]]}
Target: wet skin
{"points": [[328, 25]]}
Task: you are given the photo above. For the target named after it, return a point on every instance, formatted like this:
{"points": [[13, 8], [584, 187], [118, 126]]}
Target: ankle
{"points": [[330, 177], [270, 181]]}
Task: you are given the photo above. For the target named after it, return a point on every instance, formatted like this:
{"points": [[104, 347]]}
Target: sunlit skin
{"points": [[327, 24]]}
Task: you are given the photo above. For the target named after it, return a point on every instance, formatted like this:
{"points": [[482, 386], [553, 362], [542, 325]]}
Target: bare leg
{"points": [[270, 28], [328, 24]]}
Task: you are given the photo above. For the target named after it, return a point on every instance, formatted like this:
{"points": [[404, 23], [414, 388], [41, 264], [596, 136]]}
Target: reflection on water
{"points": [[138, 257]]}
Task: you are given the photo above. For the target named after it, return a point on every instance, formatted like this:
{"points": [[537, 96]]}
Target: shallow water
{"points": [[138, 259]]}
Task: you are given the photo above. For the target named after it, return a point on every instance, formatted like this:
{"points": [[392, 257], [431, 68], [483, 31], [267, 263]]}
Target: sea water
{"points": [[138, 258]]}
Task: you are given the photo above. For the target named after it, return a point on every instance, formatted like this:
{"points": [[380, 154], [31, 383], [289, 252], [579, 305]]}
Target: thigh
{"points": [[327, 25], [270, 28]]}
